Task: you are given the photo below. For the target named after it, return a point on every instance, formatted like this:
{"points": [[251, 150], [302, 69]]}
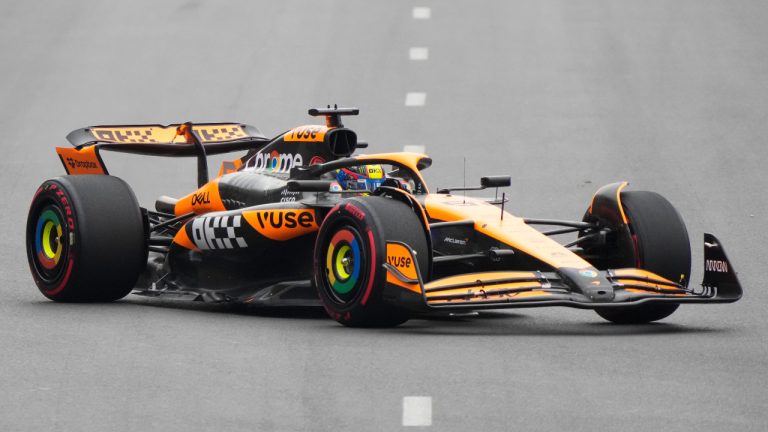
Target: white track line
{"points": [[415, 99], [418, 53], [414, 149], [417, 411], [422, 13]]}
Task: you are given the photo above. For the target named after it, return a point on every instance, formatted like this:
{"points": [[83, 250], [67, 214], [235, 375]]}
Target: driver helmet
{"points": [[361, 177]]}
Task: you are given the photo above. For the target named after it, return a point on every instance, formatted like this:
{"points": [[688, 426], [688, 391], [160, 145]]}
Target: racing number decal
{"points": [[282, 225], [311, 133]]}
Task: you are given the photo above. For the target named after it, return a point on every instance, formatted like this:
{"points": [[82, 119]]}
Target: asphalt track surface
{"points": [[564, 96]]}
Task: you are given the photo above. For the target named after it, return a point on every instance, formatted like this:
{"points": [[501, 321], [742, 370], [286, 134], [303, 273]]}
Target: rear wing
{"points": [[169, 140], [185, 139]]}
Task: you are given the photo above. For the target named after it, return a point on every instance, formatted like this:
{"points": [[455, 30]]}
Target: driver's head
{"points": [[361, 177]]}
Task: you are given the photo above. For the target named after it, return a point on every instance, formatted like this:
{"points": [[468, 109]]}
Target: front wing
{"points": [[517, 289]]}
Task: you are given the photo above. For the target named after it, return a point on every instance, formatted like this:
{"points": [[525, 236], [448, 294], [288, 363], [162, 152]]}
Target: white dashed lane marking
{"points": [[414, 149], [415, 99], [417, 411], [422, 13], [418, 53]]}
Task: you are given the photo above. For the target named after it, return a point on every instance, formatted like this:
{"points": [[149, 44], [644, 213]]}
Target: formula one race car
{"points": [[299, 218]]}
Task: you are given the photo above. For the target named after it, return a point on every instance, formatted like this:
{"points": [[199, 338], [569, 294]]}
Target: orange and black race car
{"points": [[301, 218]]}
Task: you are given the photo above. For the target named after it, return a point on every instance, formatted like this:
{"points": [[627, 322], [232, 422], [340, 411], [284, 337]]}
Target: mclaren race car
{"points": [[303, 219]]}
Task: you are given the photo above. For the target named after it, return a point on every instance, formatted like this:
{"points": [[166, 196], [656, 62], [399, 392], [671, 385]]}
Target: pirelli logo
{"points": [[166, 134]]}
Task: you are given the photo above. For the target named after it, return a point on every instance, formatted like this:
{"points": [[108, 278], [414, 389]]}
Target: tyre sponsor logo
{"points": [[400, 257], [282, 225], [275, 162], [354, 211], [65, 205], [218, 232], [716, 266]]}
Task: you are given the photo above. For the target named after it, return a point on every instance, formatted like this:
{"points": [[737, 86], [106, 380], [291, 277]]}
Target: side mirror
{"points": [[495, 181]]}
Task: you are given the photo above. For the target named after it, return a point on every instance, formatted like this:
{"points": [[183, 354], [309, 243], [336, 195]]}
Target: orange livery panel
{"points": [[309, 133], [204, 200], [282, 224], [83, 161]]}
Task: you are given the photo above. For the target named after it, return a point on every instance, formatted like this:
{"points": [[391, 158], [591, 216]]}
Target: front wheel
{"points": [[85, 239], [660, 244], [349, 255]]}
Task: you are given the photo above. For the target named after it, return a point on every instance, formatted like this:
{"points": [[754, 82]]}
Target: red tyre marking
{"points": [[354, 211], [372, 276], [64, 280]]}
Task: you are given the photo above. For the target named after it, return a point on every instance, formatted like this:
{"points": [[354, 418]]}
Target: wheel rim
{"points": [[49, 243], [344, 262]]}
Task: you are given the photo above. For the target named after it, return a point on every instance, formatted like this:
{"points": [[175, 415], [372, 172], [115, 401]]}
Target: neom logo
{"points": [[716, 266]]}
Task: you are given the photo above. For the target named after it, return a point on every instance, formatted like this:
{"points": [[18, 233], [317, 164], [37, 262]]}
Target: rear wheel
{"points": [[660, 245], [349, 254], [85, 239]]}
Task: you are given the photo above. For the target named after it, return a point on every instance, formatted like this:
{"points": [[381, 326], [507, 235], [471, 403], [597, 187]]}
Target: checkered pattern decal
{"points": [[125, 135], [219, 133], [166, 135], [218, 232]]}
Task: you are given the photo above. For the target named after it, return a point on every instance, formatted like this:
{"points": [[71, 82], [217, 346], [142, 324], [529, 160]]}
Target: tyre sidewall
{"points": [[105, 235], [367, 298], [379, 220]]}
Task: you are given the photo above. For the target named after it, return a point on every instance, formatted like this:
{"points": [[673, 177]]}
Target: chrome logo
{"points": [[588, 273], [277, 162], [49, 236], [343, 260]]}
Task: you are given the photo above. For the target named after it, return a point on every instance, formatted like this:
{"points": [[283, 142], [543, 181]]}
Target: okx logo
{"points": [[281, 225], [218, 232]]}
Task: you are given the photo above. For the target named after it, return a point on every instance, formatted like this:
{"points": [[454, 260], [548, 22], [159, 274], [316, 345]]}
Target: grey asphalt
{"points": [[564, 96]]}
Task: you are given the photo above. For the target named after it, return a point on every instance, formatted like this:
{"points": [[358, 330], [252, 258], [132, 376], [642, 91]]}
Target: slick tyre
{"points": [[349, 255], [661, 246], [85, 239]]}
